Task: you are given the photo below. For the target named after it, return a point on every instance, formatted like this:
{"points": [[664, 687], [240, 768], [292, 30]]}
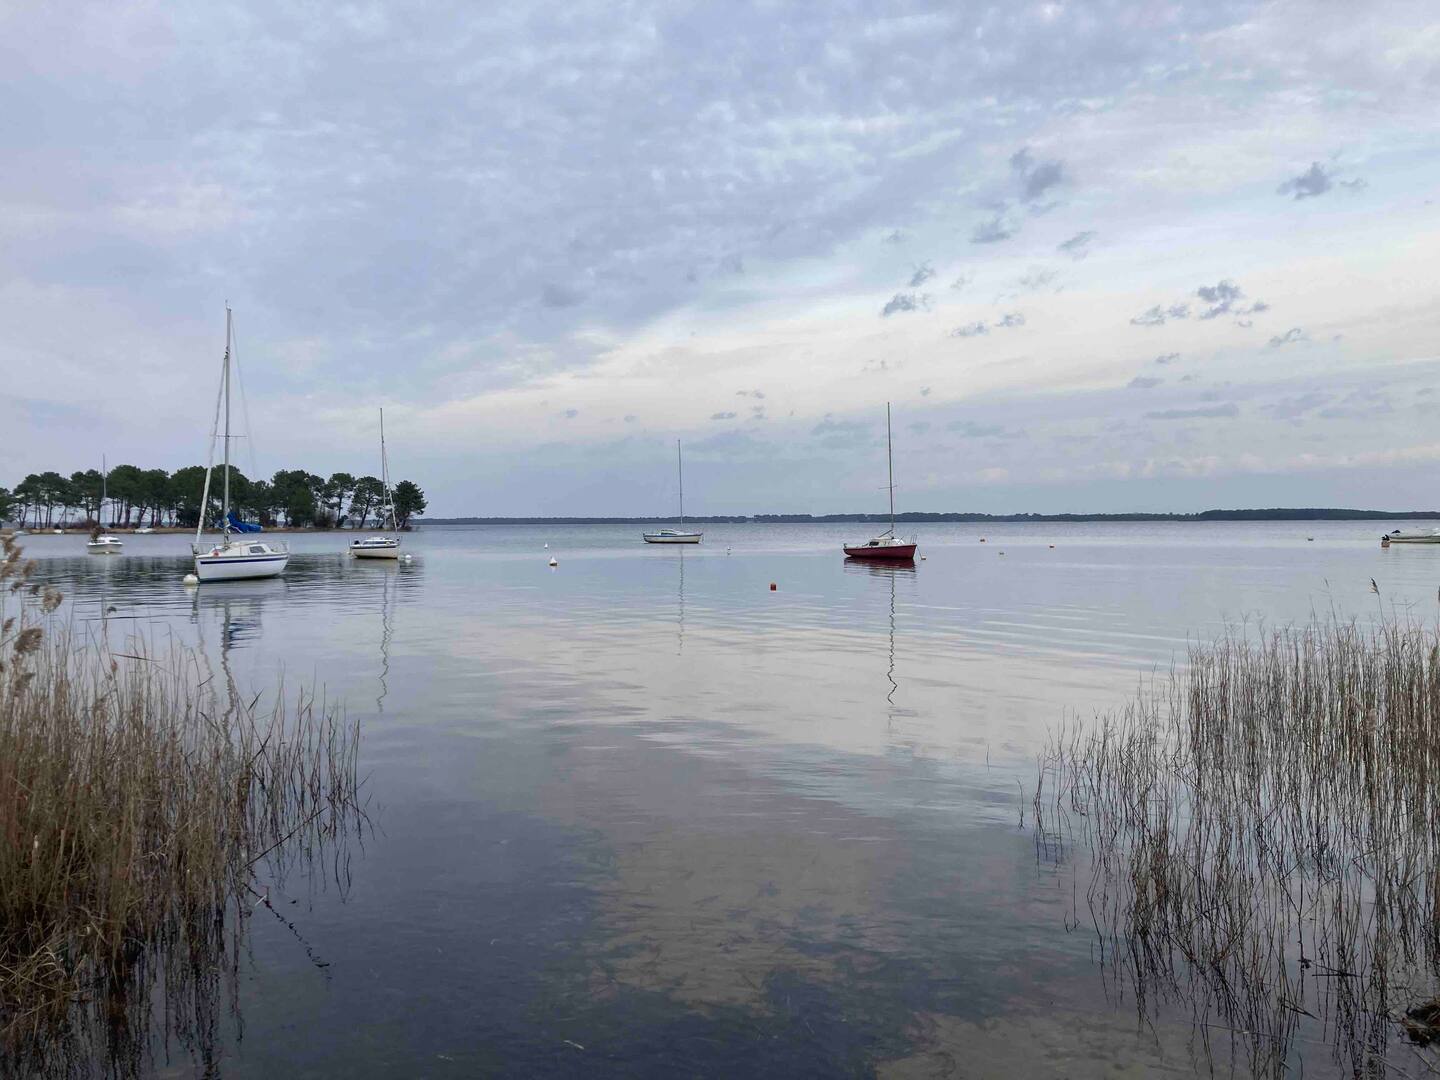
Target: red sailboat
{"points": [[887, 545]]}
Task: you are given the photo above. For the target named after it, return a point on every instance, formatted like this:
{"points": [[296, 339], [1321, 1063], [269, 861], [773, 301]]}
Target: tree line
{"points": [[136, 497]]}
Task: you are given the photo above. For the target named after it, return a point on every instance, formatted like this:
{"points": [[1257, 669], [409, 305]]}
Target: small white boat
{"points": [[1398, 536], [675, 536], [58, 532], [105, 545], [385, 546], [239, 557], [145, 530]]}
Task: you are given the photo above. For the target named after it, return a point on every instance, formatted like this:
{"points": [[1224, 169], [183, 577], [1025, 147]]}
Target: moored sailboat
{"points": [[675, 536], [887, 545], [101, 543], [385, 545], [231, 558]]}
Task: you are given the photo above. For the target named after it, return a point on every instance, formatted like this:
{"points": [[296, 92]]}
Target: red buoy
{"points": [[772, 586]]}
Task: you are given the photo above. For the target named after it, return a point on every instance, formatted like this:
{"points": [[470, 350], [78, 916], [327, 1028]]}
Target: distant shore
{"points": [[1275, 514]]}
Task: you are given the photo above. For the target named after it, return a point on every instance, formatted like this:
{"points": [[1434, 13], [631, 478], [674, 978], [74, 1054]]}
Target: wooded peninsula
{"points": [[134, 497]]}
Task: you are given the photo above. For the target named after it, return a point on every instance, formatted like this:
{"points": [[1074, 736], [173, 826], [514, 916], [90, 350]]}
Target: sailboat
{"points": [[887, 545], [382, 546], [102, 543], [232, 558], [675, 536]]}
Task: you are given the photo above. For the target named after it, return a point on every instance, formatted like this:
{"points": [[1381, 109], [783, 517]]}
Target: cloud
{"points": [[902, 302], [1290, 336], [1291, 408], [923, 273], [758, 395], [896, 237], [1037, 277], [992, 231], [924, 391], [974, 329], [1011, 319], [757, 412], [969, 429], [1355, 186], [570, 414], [722, 416], [560, 296], [630, 418], [1157, 315], [1078, 246], [962, 281], [1222, 298], [1167, 358], [1313, 182], [1035, 177], [1203, 412], [840, 433], [1143, 382]]}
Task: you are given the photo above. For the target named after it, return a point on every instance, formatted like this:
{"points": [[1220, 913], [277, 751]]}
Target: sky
{"points": [[1096, 256]]}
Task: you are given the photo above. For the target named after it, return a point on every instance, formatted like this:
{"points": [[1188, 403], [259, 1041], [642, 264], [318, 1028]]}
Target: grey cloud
{"points": [[1292, 408], [560, 296], [1290, 336], [1011, 319], [1143, 382], [722, 416], [758, 395], [1314, 181], [757, 412], [1359, 404], [1167, 358], [993, 231], [974, 329], [1035, 177], [1078, 246], [570, 414], [1037, 277], [1153, 316], [1203, 412], [840, 433], [962, 281], [923, 273], [902, 302], [630, 418], [924, 391], [896, 237], [1221, 298], [732, 264], [1354, 186]]}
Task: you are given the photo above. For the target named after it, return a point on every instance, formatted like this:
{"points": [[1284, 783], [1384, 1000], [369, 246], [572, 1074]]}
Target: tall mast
{"points": [[225, 378], [385, 476], [890, 467], [104, 489], [680, 471]]}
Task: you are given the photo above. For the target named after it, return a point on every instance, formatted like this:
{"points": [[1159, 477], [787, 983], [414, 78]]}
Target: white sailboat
{"points": [[101, 543], [239, 557], [675, 536], [383, 545]]}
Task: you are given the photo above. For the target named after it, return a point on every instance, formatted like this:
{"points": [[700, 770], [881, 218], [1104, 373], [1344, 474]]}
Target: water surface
{"points": [[639, 814]]}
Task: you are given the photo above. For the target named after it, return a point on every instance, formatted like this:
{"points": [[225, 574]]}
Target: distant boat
{"points": [[1399, 537], [382, 546], [144, 530], [231, 559], [100, 543], [675, 536], [887, 545]]}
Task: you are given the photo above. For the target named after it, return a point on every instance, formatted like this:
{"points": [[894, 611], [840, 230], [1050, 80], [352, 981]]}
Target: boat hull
{"points": [[888, 552], [671, 538], [239, 567], [1411, 539], [389, 551]]}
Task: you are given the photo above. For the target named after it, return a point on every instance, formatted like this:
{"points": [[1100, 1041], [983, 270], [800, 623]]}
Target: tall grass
{"points": [[143, 809], [1264, 835]]}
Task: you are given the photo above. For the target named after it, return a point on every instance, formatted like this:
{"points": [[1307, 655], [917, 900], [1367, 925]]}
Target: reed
{"points": [[1262, 829], [144, 808]]}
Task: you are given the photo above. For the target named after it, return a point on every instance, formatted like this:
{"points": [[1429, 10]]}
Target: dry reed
{"points": [[1263, 831], [140, 811]]}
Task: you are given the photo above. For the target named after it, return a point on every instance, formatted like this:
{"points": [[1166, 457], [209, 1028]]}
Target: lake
{"points": [[640, 815]]}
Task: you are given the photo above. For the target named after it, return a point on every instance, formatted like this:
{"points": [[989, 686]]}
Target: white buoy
{"points": [[922, 558], [554, 561], [547, 547], [191, 579]]}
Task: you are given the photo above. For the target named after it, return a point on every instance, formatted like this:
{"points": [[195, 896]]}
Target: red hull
{"points": [[891, 552]]}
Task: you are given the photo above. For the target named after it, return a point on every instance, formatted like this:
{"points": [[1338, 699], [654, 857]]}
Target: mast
{"points": [[385, 476], [225, 379], [890, 468], [104, 489], [680, 472]]}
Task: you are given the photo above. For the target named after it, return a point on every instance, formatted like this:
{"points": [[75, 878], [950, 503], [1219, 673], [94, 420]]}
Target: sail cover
{"points": [[236, 525]]}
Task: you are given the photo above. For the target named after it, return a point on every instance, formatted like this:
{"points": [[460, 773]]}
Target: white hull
{"points": [[1398, 537], [671, 538], [105, 547], [240, 562], [377, 551]]}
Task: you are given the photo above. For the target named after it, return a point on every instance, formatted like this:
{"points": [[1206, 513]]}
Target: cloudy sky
{"points": [[1099, 256]]}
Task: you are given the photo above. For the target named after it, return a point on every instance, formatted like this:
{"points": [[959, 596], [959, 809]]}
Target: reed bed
{"points": [[1263, 833], [145, 808]]}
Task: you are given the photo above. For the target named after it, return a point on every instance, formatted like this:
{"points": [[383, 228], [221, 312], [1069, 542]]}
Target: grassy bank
{"points": [[144, 806], [1263, 832]]}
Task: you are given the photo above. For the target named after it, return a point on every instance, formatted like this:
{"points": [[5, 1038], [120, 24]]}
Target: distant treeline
{"points": [[134, 497], [1276, 514]]}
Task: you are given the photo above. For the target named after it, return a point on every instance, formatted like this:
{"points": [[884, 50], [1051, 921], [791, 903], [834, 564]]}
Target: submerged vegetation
{"points": [[145, 809], [1263, 836]]}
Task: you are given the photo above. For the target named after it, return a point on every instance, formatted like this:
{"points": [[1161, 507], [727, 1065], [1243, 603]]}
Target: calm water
{"points": [[640, 815]]}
